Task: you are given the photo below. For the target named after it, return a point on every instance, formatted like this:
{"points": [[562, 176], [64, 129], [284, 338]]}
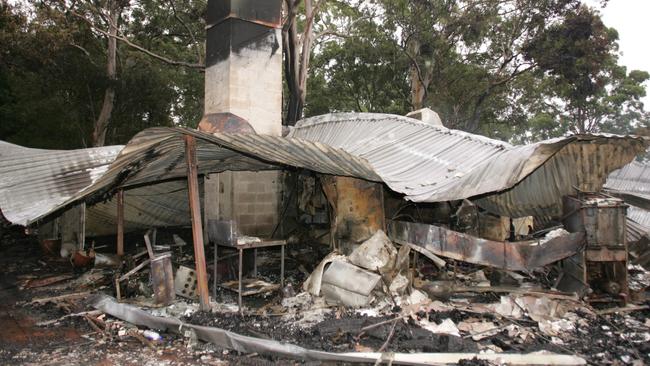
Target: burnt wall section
{"points": [[252, 199], [357, 207]]}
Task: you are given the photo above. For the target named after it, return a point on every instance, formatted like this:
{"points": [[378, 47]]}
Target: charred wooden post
{"points": [[358, 209], [120, 222], [197, 230]]}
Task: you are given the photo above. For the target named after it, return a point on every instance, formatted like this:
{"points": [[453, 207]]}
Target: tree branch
{"points": [[85, 52], [196, 44], [140, 48]]}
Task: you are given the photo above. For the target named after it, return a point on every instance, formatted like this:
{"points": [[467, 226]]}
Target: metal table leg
{"points": [[240, 275], [282, 266], [255, 262], [214, 274]]}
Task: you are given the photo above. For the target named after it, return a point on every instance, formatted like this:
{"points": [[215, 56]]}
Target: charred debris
{"points": [[381, 251]]}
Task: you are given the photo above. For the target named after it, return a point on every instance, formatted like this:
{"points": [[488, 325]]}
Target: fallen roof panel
{"points": [[425, 163], [34, 181], [432, 163]]}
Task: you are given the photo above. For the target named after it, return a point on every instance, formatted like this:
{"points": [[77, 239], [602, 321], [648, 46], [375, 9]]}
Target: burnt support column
{"points": [[197, 227], [120, 222], [358, 210]]}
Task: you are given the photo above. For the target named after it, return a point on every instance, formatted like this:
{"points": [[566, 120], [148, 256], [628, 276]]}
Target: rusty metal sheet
{"points": [[516, 256], [162, 279], [224, 122]]}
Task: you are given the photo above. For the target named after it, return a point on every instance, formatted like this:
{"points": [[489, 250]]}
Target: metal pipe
{"points": [[120, 222], [241, 256], [282, 266], [214, 274]]}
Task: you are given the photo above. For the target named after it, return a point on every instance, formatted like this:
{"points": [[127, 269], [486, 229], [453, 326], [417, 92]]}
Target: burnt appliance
{"points": [[600, 270]]}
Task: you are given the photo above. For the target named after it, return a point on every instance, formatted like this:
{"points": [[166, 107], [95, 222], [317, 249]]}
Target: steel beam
{"points": [[515, 256]]}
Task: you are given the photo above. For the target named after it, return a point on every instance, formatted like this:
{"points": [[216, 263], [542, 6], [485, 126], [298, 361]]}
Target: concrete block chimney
{"points": [[243, 81], [243, 74]]}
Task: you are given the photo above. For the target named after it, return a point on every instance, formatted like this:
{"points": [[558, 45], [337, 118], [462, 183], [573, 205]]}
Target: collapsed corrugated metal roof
{"points": [[635, 231], [634, 178], [431, 163], [34, 182], [632, 183], [159, 205], [639, 215], [157, 154], [426, 163]]}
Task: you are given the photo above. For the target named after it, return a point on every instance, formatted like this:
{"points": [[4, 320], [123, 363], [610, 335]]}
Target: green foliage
{"points": [[516, 70], [520, 70], [53, 78], [358, 72]]}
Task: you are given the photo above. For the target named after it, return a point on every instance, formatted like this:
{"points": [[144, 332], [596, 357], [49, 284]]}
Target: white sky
{"points": [[630, 18]]}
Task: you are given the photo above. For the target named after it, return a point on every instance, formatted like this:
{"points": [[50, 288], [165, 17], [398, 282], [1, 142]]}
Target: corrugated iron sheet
{"points": [[426, 163], [639, 215], [159, 205], [634, 178], [34, 182], [635, 231], [632, 183], [431, 163], [157, 154]]}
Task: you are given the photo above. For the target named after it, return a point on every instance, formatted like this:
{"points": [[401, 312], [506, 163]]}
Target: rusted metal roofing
{"points": [[425, 163], [431, 163], [34, 181]]}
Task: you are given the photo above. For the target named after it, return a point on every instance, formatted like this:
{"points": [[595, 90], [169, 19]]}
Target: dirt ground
{"points": [[24, 340]]}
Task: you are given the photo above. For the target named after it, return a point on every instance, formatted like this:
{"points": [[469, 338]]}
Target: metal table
{"points": [[224, 233]]}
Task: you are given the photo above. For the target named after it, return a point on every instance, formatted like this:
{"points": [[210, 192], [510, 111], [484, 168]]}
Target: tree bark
{"points": [[420, 79], [101, 124], [297, 53]]}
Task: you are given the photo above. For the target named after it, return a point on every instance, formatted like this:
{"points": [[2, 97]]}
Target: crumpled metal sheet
{"points": [[635, 231], [583, 164], [158, 154], [425, 163], [347, 284], [431, 163], [34, 182], [247, 345], [639, 216], [159, 205], [634, 178], [514, 256]]}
